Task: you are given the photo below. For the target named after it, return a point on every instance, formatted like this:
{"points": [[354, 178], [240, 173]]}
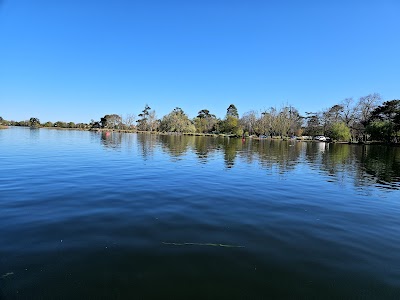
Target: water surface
{"points": [[86, 215]]}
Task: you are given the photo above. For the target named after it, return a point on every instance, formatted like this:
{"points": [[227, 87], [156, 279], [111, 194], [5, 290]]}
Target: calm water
{"points": [[88, 215]]}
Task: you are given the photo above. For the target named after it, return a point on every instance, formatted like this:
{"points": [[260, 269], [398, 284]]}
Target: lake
{"points": [[90, 215]]}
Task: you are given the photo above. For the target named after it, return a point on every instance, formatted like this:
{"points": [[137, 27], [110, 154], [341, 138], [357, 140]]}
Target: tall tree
{"points": [[384, 121], [153, 122], [365, 106], [313, 124], [348, 111], [232, 111], [333, 114], [266, 123], [142, 123], [129, 121], [296, 122], [231, 123], [349, 116], [205, 122], [249, 122], [112, 121], [34, 122], [177, 121]]}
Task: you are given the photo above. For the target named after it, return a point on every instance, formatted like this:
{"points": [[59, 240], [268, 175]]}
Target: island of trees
{"points": [[365, 119]]}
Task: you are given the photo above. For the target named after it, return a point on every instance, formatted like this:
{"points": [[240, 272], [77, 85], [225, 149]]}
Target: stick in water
{"points": [[203, 244]]}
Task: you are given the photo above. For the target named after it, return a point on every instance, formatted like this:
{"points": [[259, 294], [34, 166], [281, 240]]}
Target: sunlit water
{"points": [[87, 215]]}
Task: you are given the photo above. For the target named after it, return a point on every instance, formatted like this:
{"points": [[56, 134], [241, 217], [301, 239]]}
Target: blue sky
{"points": [[78, 60]]}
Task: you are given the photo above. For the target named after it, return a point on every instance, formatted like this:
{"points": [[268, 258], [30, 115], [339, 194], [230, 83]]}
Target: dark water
{"points": [[88, 215]]}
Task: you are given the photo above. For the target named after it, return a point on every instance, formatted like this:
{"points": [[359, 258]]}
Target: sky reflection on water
{"points": [[110, 215]]}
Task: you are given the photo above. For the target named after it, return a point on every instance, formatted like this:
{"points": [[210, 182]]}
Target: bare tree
{"points": [[348, 111], [364, 108], [129, 121], [266, 123], [152, 121], [349, 115], [249, 121], [283, 121]]}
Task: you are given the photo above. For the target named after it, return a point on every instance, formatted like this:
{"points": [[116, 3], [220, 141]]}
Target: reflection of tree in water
{"points": [[314, 151], [146, 144], [269, 153], [204, 146], [282, 154], [382, 162], [231, 147], [337, 159], [110, 139], [175, 145], [364, 164], [34, 133]]}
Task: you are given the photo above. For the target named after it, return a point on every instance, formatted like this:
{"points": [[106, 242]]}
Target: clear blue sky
{"points": [[78, 60]]}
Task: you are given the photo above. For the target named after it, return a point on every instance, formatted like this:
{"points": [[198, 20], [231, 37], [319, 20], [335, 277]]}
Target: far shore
{"points": [[253, 137]]}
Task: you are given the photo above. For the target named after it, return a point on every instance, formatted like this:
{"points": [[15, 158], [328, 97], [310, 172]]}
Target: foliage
{"points": [[232, 111], [389, 110], [205, 122], [231, 123], [4, 122], [354, 115], [176, 121], [339, 131], [249, 122], [143, 122], [380, 130], [34, 122], [362, 119], [60, 124], [283, 122], [314, 126], [365, 107], [384, 120], [113, 121]]}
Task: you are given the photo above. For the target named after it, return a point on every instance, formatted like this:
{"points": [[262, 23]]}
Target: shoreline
{"points": [[297, 139]]}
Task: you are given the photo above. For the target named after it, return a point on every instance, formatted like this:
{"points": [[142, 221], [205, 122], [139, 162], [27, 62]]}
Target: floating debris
{"points": [[203, 244], [7, 274]]}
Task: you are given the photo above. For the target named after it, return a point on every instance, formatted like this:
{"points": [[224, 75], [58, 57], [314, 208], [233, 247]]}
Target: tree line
{"points": [[367, 118]]}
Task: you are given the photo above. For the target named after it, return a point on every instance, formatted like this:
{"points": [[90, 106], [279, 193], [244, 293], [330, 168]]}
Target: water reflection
{"points": [[204, 148], [382, 162], [34, 133], [111, 139], [280, 154], [231, 148], [360, 165], [175, 145], [146, 144]]}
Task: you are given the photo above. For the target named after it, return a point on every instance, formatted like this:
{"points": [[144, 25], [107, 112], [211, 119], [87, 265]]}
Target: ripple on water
{"points": [[90, 215]]}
